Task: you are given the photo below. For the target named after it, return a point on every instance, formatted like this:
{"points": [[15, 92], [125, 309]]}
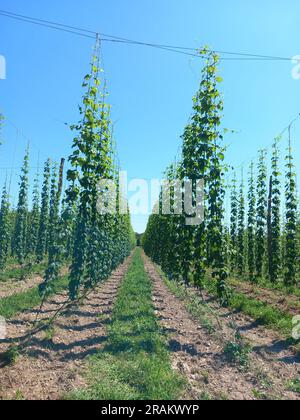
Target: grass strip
{"points": [[265, 314], [267, 284], [135, 363], [261, 312], [22, 272], [20, 302]]}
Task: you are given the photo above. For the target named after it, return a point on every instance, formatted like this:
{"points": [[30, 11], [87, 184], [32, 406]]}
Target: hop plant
{"points": [[275, 228], [5, 228], [261, 213], [203, 246], [20, 235], [42, 245], [234, 222], [34, 219], [52, 271], [241, 230], [251, 223], [291, 251]]}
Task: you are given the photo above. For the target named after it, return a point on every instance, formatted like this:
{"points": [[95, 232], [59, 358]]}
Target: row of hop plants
{"points": [[262, 240], [24, 232], [187, 253], [64, 227], [264, 236]]}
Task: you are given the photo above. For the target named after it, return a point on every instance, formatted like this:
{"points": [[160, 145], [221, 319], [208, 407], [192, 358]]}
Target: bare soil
{"points": [[53, 363], [199, 355]]}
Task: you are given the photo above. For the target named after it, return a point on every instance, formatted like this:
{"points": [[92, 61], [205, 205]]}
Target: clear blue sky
{"points": [[150, 90]]}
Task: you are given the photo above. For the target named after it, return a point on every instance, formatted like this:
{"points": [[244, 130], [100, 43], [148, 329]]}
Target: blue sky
{"points": [[150, 90]]}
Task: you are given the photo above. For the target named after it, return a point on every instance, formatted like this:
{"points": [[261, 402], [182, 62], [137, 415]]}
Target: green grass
{"points": [[22, 272], [267, 284], [20, 302], [135, 363], [294, 385], [264, 313], [10, 356], [292, 291], [238, 353], [260, 311]]}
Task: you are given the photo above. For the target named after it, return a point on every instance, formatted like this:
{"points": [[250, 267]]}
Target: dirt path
{"points": [[199, 354], [54, 360]]}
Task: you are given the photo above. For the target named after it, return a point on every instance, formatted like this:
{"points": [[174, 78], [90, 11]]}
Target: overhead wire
{"points": [[50, 26], [267, 147], [103, 37], [189, 51]]}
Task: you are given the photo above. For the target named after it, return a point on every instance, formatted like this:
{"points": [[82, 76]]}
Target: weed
{"points": [[11, 355], [259, 395], [238, 352], [49, 333], [294, 385], [19, 396], [205, 397], [205, 377]]}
